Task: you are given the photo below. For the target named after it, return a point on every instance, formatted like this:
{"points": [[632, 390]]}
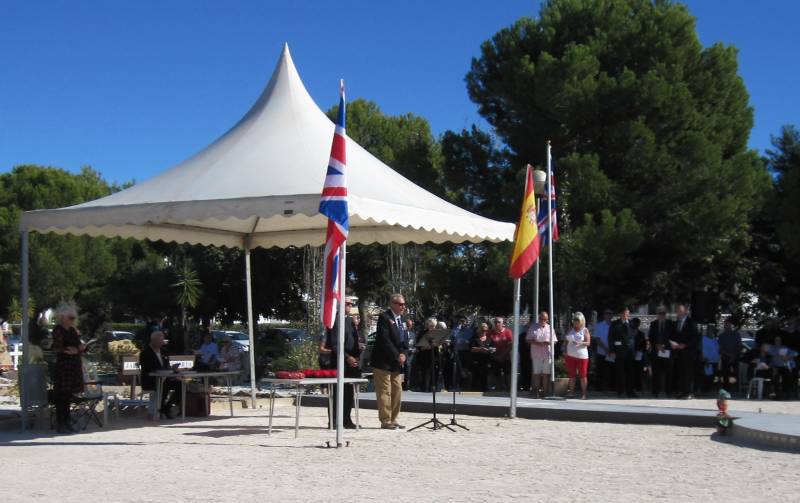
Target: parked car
{"points": [[118, 335], [240, 338]]}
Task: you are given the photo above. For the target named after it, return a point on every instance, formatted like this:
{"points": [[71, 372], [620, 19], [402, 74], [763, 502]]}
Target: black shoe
{"points": [[350, 426], [399, 426], [633, 395], [167, 413]]}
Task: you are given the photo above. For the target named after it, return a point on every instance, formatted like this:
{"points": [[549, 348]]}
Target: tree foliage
{"points": [[647, 125]]}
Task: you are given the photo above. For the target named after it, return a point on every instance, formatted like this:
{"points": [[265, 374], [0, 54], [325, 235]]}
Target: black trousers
{"points": [[662, 375], [685, 363], [600, 372], [61, 401], [170, 393], [625, 372], [502, 373], [480, 372], [728, 364], [349, 396]]}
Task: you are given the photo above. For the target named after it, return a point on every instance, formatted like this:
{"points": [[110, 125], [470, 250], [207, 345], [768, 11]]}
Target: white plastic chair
{"points": [[758, 383]]}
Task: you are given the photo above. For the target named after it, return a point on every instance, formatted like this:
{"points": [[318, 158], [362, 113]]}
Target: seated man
{"points": [[231, 356], [208, 353], [151, 359]]}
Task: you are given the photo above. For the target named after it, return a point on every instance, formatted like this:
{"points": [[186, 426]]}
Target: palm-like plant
{"points": [[189, 289], [15, 310]]}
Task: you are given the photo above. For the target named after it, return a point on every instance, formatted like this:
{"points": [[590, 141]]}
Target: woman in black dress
{"points": [[68, 372], [481, 347]]}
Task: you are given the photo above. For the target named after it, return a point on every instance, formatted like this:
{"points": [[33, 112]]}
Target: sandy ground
{"points": [[232, 459]]}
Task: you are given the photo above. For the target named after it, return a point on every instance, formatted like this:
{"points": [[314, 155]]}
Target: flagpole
{"points": [[550, 269], [512, 413], [340, 347], [512, 394]]}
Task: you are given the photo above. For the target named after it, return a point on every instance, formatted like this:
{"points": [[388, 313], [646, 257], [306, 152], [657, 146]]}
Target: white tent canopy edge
{"points": [[258, 186]]}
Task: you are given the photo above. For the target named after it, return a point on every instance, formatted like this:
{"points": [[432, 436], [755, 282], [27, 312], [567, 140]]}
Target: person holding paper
{"points": [[660, 333], [539, 336], [352, 356], [684, 345], [481, 347], [641, 359], [621, 347]]}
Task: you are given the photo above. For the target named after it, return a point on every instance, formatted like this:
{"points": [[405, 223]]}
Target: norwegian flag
{"points": [[542, 215], [334, 206]]}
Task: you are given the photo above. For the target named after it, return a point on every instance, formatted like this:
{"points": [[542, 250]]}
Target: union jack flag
{"points": [[542, 215], [334, 206]]}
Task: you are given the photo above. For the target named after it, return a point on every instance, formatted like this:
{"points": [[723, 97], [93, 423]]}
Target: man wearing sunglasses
{"points": [[388, 356]]}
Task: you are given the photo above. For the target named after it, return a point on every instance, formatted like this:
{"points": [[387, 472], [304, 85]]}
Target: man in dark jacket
{"points": [[660, 334], [621, 346], [151, 359], [685, 345], [388, 356], [352, 354]]}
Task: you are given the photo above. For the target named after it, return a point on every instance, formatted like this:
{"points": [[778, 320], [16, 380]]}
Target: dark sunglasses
{"points": [[399, 303]]}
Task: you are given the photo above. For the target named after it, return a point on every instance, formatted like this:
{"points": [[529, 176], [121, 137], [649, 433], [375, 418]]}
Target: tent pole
{"points": [[250, 329], [340, 347], [512, 413], [24, 330]]}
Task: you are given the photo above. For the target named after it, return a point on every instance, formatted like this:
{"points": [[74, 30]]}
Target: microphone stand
{"points": [[435, 423], [456, 364]]}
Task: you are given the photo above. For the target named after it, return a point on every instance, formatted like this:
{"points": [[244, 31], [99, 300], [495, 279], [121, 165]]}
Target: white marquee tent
{"points": [[259, 185]]}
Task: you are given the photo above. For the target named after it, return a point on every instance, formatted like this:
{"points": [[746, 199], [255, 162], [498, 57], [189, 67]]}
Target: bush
{"points": [[302, 356]]}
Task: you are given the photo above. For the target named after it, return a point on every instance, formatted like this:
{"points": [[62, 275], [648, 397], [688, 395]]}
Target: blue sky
{"points": [[132, 88]]}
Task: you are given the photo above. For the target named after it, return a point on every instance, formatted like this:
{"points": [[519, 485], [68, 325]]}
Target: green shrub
{"points": [[303, 356]]}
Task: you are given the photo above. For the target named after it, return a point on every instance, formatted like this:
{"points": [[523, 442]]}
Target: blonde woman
{"points": [[577, 359]]}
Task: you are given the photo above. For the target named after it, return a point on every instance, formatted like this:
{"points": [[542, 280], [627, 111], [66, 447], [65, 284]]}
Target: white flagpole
{"points": [[512, 413], [340, 347], [550, 267], [512, 392]]}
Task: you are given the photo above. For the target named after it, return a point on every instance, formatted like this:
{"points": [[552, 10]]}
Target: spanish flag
{"points": [[526, 237]]}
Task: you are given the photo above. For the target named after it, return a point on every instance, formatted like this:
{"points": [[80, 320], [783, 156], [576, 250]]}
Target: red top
{"points": [[502, 341]]}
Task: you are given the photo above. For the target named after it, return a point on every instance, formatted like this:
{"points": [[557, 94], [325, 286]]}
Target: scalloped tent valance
{"points": [[260, 183]]}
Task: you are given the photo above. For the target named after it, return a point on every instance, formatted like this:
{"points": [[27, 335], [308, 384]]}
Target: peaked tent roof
{"points": [[262, 180]]}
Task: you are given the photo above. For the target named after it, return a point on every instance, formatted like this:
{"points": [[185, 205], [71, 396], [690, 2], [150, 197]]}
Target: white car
{"points": [[119, 335], [240, 338]]}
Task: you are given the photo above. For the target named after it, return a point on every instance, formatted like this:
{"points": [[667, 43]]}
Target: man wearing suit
{"points": [[151, 359], [388, 356], [684, 345], [352, 353], [661, 330], [621, 346]]}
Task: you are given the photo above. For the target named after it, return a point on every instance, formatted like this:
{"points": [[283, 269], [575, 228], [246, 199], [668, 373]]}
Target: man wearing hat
{"points": [[352, 355]]}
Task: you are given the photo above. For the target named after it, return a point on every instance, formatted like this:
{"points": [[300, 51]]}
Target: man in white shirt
{"points": [[604, 370]]}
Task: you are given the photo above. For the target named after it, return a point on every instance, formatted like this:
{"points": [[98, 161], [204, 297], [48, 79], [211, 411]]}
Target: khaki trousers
{"points": [[388, 390]]}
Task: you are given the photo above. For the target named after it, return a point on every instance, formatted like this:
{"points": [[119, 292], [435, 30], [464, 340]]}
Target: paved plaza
{"points": [[233, 459]]}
